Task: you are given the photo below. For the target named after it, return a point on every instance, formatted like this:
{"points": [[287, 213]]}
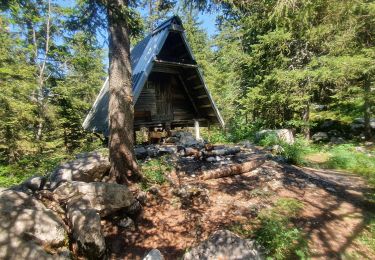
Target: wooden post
{"points": [[196, 128], [209, 131]]}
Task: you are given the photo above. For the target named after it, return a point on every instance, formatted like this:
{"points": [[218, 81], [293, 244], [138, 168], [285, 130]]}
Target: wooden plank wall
{"points": [[163, 100]]}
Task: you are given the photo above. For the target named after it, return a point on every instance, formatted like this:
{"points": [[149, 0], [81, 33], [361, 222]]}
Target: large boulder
{"points": [[86, 229], [320, 137], [27, 227], [87, 167], [31, 185], [224, 244], [105, 198], [186, 139], [284, 135], [154, 254]]}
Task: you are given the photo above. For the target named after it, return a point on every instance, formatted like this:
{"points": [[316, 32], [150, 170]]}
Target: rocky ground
{"points": [[73, 213], [333, 214]]}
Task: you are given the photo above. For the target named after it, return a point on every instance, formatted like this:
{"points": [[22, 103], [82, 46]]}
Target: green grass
{"points": [[341, 157], [154, 171], [367, 236], [40, 164], [293, 153], [275, 232], [28, 166], [345, 157]]}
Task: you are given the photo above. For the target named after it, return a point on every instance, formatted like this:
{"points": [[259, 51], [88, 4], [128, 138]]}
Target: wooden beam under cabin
{"points": [[175, 64], [188, 94]]}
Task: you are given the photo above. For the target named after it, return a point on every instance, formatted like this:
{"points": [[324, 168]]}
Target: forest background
{"points": [[272, 64]]}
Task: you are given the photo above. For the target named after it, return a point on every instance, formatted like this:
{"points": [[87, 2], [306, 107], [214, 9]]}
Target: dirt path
{"points": [[333, 214]]}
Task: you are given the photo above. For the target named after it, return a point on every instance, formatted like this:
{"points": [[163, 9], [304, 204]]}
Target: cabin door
{"points": [[163, 95]]}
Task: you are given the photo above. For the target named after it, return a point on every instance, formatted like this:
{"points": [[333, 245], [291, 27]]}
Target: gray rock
{"points": [[247, 144], [360, 149], [320, 137], [318, 107], [35, 183], [17, 248], [126, 223], [356, 128], [86, 230], [105, 198], [336, 140], [330, 124], [167, 150], [333, 133], [26, 226], [224, 244], [284, 135], [140, 152], [154, 254], [277, 149], [87, 167], [359, 124], [359, 121], [171, 140]]}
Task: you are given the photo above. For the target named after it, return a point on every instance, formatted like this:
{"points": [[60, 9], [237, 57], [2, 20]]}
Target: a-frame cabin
{"points": [[168, 87]]}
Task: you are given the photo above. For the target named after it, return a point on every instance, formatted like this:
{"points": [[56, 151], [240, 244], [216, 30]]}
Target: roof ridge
{"points": [[166, 23]]}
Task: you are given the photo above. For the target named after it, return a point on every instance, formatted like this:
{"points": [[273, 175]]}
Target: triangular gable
{"points": [[143, 57]]}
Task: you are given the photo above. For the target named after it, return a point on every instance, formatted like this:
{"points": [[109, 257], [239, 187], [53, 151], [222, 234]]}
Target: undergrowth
{"points": [[154, 170], [40, 164], [293, 153], [275, 232], [345, 157], [28, 166], [367, 237], [342, 157]]}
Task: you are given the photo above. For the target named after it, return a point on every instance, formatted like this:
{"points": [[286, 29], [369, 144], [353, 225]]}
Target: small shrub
{"points": [[296, 152], [280, 238], [269, 140], [215, 135], [154, 171]]}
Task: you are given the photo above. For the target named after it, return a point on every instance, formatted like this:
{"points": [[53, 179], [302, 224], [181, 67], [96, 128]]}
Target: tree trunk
{"points": [[306, 119], [367, 109], [121, 110]]}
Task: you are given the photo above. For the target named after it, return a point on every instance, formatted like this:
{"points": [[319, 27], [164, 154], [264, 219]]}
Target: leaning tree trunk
{"points": [[121, 110], [306, 121], [367, 109]]}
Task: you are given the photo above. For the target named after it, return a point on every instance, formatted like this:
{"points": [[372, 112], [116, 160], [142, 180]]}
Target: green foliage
{"points": [[367, 236], [215, 135], [154, 171], [281, 56], [274, 230], [41, 110], [32, 165], [294, 153], [276, 233], [269, 140], [345, 157], [17, 86]]}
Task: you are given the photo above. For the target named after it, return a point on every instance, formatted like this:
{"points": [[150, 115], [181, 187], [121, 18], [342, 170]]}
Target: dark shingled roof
{"points": [[142, 57]]}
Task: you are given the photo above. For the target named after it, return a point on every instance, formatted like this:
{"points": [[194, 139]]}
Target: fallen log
{"points": [[231, 169], [222, 152], [192, 152]]}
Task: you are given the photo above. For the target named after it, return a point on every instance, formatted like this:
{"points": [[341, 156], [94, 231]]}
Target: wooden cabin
{"points": [[168, 87]]}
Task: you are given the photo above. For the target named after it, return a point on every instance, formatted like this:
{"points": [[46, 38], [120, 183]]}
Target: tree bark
{"points": [[367, 109], [231, 170], [306, 121], [121, 110]]}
